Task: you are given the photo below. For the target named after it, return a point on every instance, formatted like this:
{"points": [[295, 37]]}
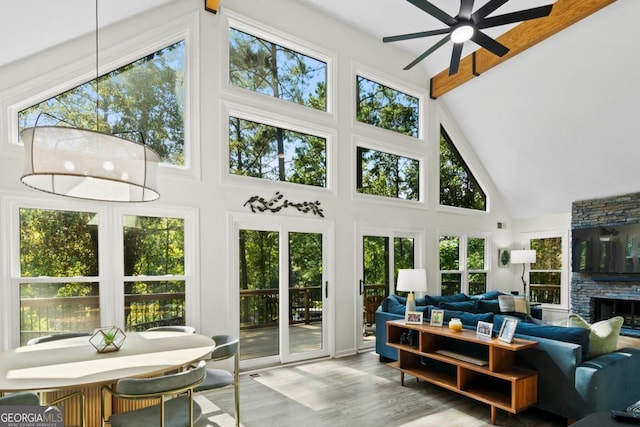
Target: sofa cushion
{"points": [[394, 304], [559, 333], [468, 306], [488, 306], [490, 295], [437, 299], [603, 335], [469, 319]]}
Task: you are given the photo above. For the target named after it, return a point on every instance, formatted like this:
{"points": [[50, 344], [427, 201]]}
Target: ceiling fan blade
{"points": [[487, 9], [455, 58], [434, 11], [522, 15], [490, 44], [415, 35], [428, 52], [466, 8]]}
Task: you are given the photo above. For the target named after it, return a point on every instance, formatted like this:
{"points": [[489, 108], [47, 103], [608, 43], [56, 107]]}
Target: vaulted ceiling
{"points": [[553, 124]]}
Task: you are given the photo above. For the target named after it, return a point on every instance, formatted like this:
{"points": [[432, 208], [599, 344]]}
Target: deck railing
{"points": [[45, 316]]}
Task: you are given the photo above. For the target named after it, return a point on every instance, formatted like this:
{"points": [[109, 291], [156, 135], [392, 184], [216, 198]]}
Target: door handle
{"points": [[361, 286], [326, 289]]}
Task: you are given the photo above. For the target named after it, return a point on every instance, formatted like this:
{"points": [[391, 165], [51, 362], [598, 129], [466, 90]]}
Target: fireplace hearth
{"points": [[627, 306]]}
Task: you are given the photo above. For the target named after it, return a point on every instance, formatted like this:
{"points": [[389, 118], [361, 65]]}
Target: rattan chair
{"points": [[174, 409], [226, 347], [78, 394]]}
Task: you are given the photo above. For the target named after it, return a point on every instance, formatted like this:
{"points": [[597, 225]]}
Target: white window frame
{"points": [[367, 143], [82, 70], [110, 259], [288, 41], [564, 272], [464, 271], [232, 109]]}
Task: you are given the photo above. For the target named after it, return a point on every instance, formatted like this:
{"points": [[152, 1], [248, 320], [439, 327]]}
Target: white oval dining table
{"points": [[73, 364]]}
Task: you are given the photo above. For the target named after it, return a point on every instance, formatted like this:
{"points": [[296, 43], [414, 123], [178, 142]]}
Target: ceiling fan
{"points": [[466, 26]]}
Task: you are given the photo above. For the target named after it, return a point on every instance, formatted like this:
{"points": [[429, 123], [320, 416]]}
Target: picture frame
{"points": [[507, 330], [413, 318], [484, 329], [437, 317]]}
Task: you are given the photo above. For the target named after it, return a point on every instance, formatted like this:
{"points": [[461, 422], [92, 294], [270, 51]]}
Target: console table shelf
{"points": [[499, 382]]}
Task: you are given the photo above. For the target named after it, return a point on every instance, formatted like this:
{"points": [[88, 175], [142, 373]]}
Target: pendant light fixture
{"points": [[89, 164]]}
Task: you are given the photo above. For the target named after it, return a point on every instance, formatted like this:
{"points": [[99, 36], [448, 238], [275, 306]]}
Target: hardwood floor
{"points": [[355, 391], [351, 391]]}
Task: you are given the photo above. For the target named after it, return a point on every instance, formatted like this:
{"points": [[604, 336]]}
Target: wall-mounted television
{"points": [[606, 249]]}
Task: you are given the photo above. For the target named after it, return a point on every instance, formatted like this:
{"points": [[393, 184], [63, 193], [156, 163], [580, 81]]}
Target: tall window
{"points": [[265, 67], [59, 271], [387, 108], [144, 99], [388, 175], [277, 154], [463, 264], [154, 288], [458, 186], [545, 275]]}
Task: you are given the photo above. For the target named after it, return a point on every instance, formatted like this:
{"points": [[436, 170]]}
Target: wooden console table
{"points": [[493, 379]]}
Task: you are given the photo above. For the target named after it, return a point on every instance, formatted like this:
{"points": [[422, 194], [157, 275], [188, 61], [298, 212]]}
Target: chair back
{"points": [[24, 398], [174, 328], [166, 384], [226, 347], [62, 336]]}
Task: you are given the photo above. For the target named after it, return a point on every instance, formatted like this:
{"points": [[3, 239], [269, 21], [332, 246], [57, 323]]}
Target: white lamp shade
{"points": [[412, 280], [523, 256], [89, 165]]}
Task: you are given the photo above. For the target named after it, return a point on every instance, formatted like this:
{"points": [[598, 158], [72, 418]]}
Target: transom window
{"points": [[458, 186], [388, 175], [268, 68], [277, 154], [387, 108], [144, 99]]}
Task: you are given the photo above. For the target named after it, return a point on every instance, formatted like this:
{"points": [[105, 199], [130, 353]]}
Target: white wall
{"points": [[216, 199]]}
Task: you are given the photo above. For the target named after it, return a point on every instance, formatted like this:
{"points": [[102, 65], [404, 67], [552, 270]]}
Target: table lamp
{"points": [[412, 280], [523, 257]]}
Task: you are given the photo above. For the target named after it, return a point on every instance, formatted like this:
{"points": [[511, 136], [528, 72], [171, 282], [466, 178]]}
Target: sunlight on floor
{"points": [[308, 384], [448, 418], [212, 415]]}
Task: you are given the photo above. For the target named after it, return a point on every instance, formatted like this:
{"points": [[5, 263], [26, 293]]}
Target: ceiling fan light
{"points": [[462, 33]]}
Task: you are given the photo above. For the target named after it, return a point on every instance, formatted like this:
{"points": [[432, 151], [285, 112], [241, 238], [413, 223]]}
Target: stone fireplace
{"points": [[597, 295]]}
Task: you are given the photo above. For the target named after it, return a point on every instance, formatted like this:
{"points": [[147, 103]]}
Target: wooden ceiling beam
{"points": [[518, 39]]}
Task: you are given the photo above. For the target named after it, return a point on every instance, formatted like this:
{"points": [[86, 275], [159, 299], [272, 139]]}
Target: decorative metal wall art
{"points": [[276, 203]]}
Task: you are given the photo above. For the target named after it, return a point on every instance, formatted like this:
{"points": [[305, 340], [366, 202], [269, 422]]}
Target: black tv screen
{"points": [[606, 249]]}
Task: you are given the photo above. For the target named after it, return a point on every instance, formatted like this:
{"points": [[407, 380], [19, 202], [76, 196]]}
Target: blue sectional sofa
{"points": [[569, 383]]}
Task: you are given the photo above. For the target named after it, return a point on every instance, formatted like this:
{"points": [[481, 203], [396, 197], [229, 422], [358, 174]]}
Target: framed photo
{"points": [[484, 329], [413, 318], [507, 330], [437, 317]]}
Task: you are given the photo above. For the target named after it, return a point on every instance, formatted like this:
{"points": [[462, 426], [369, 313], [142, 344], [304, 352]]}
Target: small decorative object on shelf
{"points": [[455, 324], [106, 339]]}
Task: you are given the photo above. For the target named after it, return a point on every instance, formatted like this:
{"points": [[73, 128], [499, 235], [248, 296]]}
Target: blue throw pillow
{"points": [[490, 295], [488, 306], [559, 333], [468, 306], [469, 319], [437, 299], [396, 304]]}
